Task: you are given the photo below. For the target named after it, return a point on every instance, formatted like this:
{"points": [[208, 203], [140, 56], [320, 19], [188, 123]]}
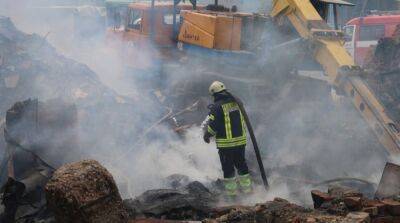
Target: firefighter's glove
{"points": [[207, 137]]}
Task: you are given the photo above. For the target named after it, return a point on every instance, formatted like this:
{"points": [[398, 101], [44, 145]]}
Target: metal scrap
{"points": [[15, 143], [389, 184]]}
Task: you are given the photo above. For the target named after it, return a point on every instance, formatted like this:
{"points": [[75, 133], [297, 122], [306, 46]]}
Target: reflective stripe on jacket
{"points": [[226, 123]]}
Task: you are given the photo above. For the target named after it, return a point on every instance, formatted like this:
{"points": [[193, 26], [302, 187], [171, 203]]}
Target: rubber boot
{"points": [[245, 183], [231, 189]]}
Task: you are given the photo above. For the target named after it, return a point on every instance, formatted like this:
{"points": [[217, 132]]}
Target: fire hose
{"points": [[253, 140]]}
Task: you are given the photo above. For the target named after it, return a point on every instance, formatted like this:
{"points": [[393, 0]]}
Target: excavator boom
{"points": [[327, 49]]}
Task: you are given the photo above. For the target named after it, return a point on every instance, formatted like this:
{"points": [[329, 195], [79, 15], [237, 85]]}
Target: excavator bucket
{"points": [[390, 182]]}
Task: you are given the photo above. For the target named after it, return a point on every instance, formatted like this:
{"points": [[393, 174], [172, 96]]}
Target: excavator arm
{"points": [[327, 49]]}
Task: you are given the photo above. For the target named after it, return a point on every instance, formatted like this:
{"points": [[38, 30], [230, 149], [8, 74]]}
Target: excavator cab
{"points": [[146, 27], [327, 8], [116, 11], [322, 8], [143, 21]]}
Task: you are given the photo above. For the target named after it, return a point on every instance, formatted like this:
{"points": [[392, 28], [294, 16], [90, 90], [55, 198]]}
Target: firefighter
{"points": [[226, 124]]}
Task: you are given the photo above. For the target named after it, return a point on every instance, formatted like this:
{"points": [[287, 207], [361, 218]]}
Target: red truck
{"points": [[362, 33]]}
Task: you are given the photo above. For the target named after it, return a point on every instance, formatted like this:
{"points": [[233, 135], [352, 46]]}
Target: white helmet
{"points": [[216, 87]]}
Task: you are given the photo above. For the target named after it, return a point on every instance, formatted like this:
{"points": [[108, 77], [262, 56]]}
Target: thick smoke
{"points": [[139, 158], [304, 135]]}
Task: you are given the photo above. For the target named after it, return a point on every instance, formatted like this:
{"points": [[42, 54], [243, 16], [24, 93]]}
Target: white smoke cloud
{"points": [[148, 166]]}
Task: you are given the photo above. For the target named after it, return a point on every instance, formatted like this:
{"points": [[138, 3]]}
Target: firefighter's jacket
{"points": [[226, 123]]}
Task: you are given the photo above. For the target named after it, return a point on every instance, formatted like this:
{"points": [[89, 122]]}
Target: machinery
{"points": [[116, 11], [146, 28], [326, 46], [231, 31], [234, 38], [143, 21], [167, 28]]}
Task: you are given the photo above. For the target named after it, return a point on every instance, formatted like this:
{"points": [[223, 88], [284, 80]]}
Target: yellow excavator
{"points": [[328, 50]]}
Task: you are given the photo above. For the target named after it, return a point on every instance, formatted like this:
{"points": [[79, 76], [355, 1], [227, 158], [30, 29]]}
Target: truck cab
{"points": [[363, 33], [116, 11], [142, 33], [140, 20]]}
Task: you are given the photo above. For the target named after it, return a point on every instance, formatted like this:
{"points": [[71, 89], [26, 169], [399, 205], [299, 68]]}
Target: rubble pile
{"points": [[22, 202], [38, 126], [32, 68], [383, 75], [386, 55], [84, 192], [36, 133], [344, 201], [278, 210], [41, 134], [193, 202], [339, 204]]}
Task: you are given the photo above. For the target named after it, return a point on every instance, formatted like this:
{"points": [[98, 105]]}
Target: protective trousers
{"points": [[232, 158]]}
